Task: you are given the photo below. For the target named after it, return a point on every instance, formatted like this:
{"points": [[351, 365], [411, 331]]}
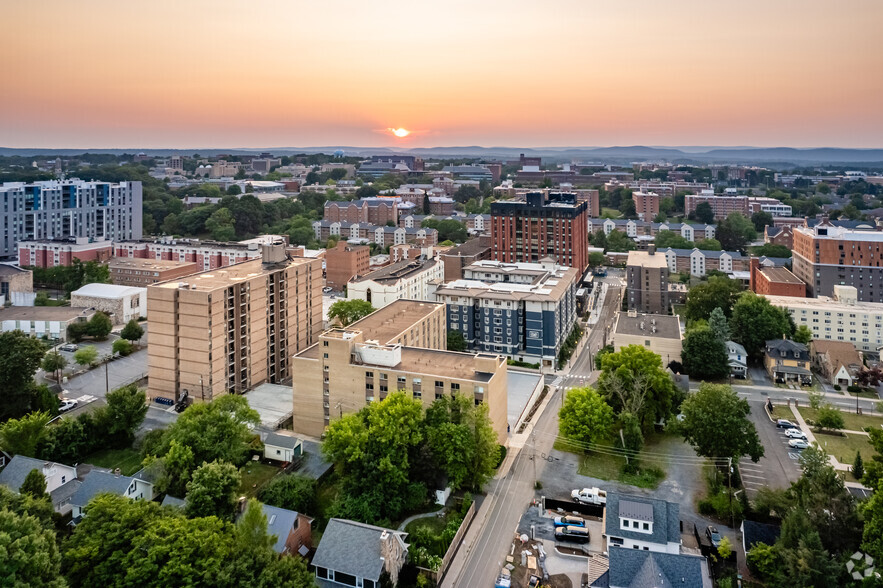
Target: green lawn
{"points": [[865, 393], [851, 421], [605, 466], [254, 476], [434, 525], [128, 460], [610, 213], [844, 448]]}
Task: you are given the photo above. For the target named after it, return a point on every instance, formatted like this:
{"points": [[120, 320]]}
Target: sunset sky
{"points": [[268, 73]]}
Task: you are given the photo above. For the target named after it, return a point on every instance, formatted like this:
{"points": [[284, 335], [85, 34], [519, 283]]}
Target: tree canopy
{"points": [[585, 417], [20, 356], [213, 490], [717, 292], [132, 331], [755, 321], [349, 311], [735, 232], [716, 424], [704, 354], [634, 380]]}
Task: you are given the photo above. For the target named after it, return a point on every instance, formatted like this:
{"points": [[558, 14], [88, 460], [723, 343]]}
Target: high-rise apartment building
{"points": [[646, 205], [647, 281], [69, 209], [827, 255], [343, 262], [542, 225], [399, 347], [721, 205], [229, 329]]}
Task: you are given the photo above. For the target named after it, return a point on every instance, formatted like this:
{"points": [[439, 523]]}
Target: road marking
{"points": [[793, 455], [752, 476], [750, 483]]}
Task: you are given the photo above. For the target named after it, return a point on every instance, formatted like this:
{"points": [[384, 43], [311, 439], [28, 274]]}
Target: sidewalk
{"points": [[810, 438]]}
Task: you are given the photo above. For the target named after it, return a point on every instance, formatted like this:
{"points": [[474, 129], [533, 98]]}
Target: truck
{"points": [[589, 496]]}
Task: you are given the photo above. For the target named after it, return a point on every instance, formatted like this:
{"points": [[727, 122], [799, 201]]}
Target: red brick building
{"points": [[646, 205], [775, 281], [375, 211], [542, 225], [779, 236], [721, 205], [52, 253], [207, 255], [344, 262]]}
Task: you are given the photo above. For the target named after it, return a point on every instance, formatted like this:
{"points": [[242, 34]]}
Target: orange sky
{"points": [[273, 73]]}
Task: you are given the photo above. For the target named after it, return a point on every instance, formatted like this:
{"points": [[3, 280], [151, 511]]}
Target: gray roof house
{"points": [[737, 359], [99, 481], [352, 552], [633, 568], [61, 480], [637, 522]]}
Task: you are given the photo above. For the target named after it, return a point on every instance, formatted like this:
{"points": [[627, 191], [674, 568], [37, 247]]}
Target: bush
{"points": [[123, 347], [837, 387], [853, 389]]}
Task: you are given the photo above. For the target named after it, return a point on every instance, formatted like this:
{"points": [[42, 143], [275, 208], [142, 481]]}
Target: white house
{"points": [[737, 359], [282, 447], [637, 522], [61, 480]]}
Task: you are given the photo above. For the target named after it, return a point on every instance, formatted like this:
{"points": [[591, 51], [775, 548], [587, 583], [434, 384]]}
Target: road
{"points": [[482, 554]]}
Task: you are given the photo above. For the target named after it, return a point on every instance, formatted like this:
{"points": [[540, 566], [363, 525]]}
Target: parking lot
{"points": [[780, 465]]}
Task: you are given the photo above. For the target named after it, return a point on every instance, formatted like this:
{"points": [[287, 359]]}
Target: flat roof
{"points": [[98, 290], [780, 275], [227, 275], [143, 263], [392, 320], [644, 259], [667, 327], [825, 303], [397, 271], [43, 313]]}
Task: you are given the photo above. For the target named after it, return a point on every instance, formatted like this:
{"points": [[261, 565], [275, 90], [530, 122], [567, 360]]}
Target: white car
{"points": [[798, 444], [795, 434], [589, 496], [67, 405]]}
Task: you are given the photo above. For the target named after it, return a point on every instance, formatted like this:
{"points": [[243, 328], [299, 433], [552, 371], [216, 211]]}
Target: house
{"points": [[787, 360], [61, 480], [291, 529], [659, 333], [637, 522], [355, 554], [837, 361], [282, 447], [99, 482], [120, 303], [737, 359], [754, 533], [643, 569]]}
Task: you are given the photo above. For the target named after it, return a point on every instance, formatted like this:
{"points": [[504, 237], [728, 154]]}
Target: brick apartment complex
{"points": [[131, 271], [647, 282], [826, 255], [770, 205], [207, 255], [779, 236], [775, 281], [636, 228], [62, 252], [344, 262], [382, 235], [646, 205], [69, 209], [374, 211], [232, 328], [457, 258], [543, 225], [698, 262], [722, 205], [399, 347]]}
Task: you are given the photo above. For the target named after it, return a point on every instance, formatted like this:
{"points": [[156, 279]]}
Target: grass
{"points": [[845, 448], [851, 421], [610, 213], [865, 393], [434, 525], [610, 467], [254, 476], [128, 460]]}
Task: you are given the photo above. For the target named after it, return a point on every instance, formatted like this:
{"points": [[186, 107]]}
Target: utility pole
{"points": [[106, 377], [730, 488], [625, 451]]}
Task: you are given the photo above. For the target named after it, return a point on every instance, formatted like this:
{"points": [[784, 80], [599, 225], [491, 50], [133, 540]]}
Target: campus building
{"points": [[522, 310], [232, 328], [399, 347], [775, 281], [647, 282], [63, 252], [659, 333], [343, 262], [69, 209], [207, 255], [141, 272], [542, 225], [721, 205], [404, 279]]}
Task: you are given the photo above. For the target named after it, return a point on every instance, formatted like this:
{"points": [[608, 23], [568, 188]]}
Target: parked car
{"points": [[589, 496], [326, 289], [569, 521], [575, 534], [713, 535], [795, 434], [67, 405], [69, 347], [785, 424], [798, 443]]}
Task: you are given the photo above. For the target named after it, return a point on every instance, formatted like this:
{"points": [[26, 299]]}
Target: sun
{"points": [[400, 132]]}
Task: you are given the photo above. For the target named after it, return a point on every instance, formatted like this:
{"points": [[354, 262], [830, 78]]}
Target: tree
{"points": [[858, 466], [717, 322], [132, 331], [123, 347], [349, 311], [665, 239], [213, 491], [585, 417], [872, 536], [829, 418], [30, 553], [22, 436], [251, 528], [633, 380], [704, 354], [596, 259], [725, 549], [761, 220], [704, 213], [293, 492], [448, 229], [709, 245], [771, 250], [462, 440], [716, 424], [619, 241], [20, 356], [86, 355], [124, 413], [735, 232], [221, 225], [717, 292], [54, 363], [870, 376], [755, 321], [802, 335], [34, 485], [456, 341], [628, 209]]}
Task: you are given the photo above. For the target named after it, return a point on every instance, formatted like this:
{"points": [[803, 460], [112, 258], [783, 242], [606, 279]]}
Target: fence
{"points": [[437, 575], [589, 510]]}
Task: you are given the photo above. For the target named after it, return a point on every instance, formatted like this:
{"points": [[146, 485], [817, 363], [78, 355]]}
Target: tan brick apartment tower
{"points": [[229, 329], [647, 281]]}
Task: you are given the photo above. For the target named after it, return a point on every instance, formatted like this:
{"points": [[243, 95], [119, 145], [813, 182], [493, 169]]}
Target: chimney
{"points": [[651, 250], [116, 472], [242, 504]]}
